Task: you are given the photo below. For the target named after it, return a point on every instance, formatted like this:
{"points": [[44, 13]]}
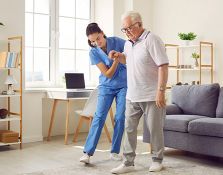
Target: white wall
{"points": [[118, 11], [104, 15], [32, 116], [203, 17], [12, 15], [145, 8]]}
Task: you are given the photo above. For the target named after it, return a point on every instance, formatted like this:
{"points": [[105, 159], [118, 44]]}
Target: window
{"points": [[55, 41]]}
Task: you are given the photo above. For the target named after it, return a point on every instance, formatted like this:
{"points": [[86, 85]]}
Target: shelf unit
{"points": [[14, 116], [202, 65]]}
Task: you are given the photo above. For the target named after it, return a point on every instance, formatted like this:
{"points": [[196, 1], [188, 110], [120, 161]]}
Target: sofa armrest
{"points": [[173, 109]]}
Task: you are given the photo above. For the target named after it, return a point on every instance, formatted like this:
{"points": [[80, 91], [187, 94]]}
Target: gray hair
{"points": [[135, 16]]}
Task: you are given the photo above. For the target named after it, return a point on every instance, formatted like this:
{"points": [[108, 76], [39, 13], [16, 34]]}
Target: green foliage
{"points": [[187, 36], [195, 55], [1, 24]]}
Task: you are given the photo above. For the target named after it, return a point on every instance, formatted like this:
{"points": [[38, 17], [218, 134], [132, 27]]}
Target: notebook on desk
{"points": [[75, 84]]}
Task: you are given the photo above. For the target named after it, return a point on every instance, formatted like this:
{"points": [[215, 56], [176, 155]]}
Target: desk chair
{"points": [[87, 114]]}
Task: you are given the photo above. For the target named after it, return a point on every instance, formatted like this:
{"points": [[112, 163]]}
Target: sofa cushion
{"points": [[173, 109], [219, 110], [206, 126], [196, 99], [179, 122]]}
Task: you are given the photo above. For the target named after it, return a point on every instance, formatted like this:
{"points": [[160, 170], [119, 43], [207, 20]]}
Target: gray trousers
{"points": [[154, 118]]}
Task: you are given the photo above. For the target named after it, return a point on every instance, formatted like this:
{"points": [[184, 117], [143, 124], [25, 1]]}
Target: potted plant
{"points": [[195, 56], [187, 37]]}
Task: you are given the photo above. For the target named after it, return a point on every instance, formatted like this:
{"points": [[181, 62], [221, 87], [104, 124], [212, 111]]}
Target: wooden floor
{"points": [[45, 155]]}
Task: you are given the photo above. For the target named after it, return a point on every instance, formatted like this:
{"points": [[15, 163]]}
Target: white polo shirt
{"points": [[143, 59]]}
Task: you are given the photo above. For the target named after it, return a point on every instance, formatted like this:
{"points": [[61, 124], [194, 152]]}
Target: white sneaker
{"points": [[155, 167], [85, 159], [122, 169], [115, 156]]}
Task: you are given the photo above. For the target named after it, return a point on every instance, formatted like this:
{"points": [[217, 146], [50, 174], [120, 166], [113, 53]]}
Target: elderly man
{"points": [[147, 72]]}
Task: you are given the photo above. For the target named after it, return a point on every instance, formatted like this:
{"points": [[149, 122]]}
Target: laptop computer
{"points": [[74, 80], [75, 84]]}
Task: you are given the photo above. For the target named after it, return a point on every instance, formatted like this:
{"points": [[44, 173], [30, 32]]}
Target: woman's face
{"points": [[97, 39]]}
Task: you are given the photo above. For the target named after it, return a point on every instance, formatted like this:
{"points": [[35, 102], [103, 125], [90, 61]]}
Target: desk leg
{"points": [[52, 118], [150, 148], [112, 117], [67, 122], [107, 133]]}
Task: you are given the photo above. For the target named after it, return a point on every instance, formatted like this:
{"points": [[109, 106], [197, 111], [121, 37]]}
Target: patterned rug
{"points": [[172, 166]]}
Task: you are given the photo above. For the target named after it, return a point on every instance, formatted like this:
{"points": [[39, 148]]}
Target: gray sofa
{"points": [[194, 120]]}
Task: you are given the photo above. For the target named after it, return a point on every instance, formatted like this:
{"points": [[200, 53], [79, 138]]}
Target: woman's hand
{"points": [[117, 56]]}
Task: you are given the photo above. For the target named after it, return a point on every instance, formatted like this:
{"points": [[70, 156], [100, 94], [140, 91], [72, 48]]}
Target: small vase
{"points": [[196, 64]]}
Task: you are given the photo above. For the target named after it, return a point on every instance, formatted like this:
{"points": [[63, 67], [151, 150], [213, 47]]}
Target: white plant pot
{"points": [[187, 42]]}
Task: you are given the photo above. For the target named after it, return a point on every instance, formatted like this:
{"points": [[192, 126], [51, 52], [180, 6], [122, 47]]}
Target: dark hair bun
{"points": [[93, 24], [93, 28]]}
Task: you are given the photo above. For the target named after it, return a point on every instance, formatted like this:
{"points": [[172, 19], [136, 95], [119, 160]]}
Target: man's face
{"points": [[131, 29]]}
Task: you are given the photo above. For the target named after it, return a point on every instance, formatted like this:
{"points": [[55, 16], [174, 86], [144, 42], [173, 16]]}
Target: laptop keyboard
{"points": [[80, 94]]}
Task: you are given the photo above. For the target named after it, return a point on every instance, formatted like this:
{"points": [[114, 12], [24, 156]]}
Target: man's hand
{"points": [[113, 54], [160, 99]]}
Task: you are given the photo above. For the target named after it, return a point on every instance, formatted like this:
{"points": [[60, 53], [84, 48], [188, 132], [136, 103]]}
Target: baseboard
{"points": [[32, 139]]}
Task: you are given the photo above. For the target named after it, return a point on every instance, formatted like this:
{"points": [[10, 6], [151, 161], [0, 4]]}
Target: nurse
{"points": [[112, 85]]}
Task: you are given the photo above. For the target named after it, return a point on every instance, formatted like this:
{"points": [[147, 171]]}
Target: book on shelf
{"points": [[3, 57], [9, 59]]}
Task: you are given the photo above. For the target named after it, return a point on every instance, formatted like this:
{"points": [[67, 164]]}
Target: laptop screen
{"points": [[74, 80]]}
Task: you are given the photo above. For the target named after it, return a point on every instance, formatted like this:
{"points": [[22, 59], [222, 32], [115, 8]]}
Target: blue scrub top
{"points": [[97, 55]]}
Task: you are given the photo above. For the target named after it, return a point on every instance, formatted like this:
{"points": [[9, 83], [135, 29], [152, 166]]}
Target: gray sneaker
{"points": [[155, 167], [122, 169]]}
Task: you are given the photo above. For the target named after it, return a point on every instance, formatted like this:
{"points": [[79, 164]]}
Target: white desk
{"points": [[67, 96]]}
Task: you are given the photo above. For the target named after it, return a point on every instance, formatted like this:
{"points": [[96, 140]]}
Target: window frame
{"points": [[54, 48]]}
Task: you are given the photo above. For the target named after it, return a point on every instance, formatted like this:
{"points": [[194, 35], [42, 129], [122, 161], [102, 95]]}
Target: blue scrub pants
{"points": [[103, 106]]}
